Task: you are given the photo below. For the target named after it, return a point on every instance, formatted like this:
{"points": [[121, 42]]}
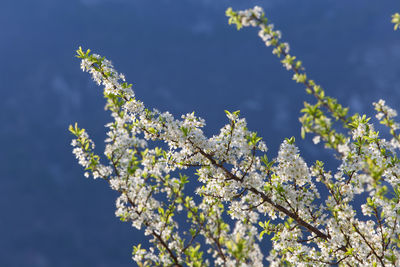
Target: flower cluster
{"points": [[262, 197]]}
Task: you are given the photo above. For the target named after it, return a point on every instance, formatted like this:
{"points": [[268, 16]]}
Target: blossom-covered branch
{"points": [[235, 176], [366, 161]]}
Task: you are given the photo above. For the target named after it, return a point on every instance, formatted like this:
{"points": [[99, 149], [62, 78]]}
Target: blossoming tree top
{"points": [[261, 196]]}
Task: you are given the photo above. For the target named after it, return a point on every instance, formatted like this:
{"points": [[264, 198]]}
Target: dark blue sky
{"points": [[181, 56]]}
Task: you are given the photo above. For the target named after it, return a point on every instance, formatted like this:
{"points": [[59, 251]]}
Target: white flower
{"points": [[316, 139]]}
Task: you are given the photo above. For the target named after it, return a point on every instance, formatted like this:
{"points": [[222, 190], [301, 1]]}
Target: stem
{"points": [[267, 199]]}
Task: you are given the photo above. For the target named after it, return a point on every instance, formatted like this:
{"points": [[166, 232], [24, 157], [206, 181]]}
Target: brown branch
{"points": [[368, 244], [267, 199]]}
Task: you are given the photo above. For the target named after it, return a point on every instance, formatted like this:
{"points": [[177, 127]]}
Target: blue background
{"points": [[181, 56]]}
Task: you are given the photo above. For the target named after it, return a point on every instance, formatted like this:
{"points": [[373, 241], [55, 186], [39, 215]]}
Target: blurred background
{"points": [[181, 56]]}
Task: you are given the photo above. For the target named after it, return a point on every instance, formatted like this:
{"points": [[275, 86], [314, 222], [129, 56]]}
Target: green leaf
{"points": [[185, 131], [349, 251]]}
